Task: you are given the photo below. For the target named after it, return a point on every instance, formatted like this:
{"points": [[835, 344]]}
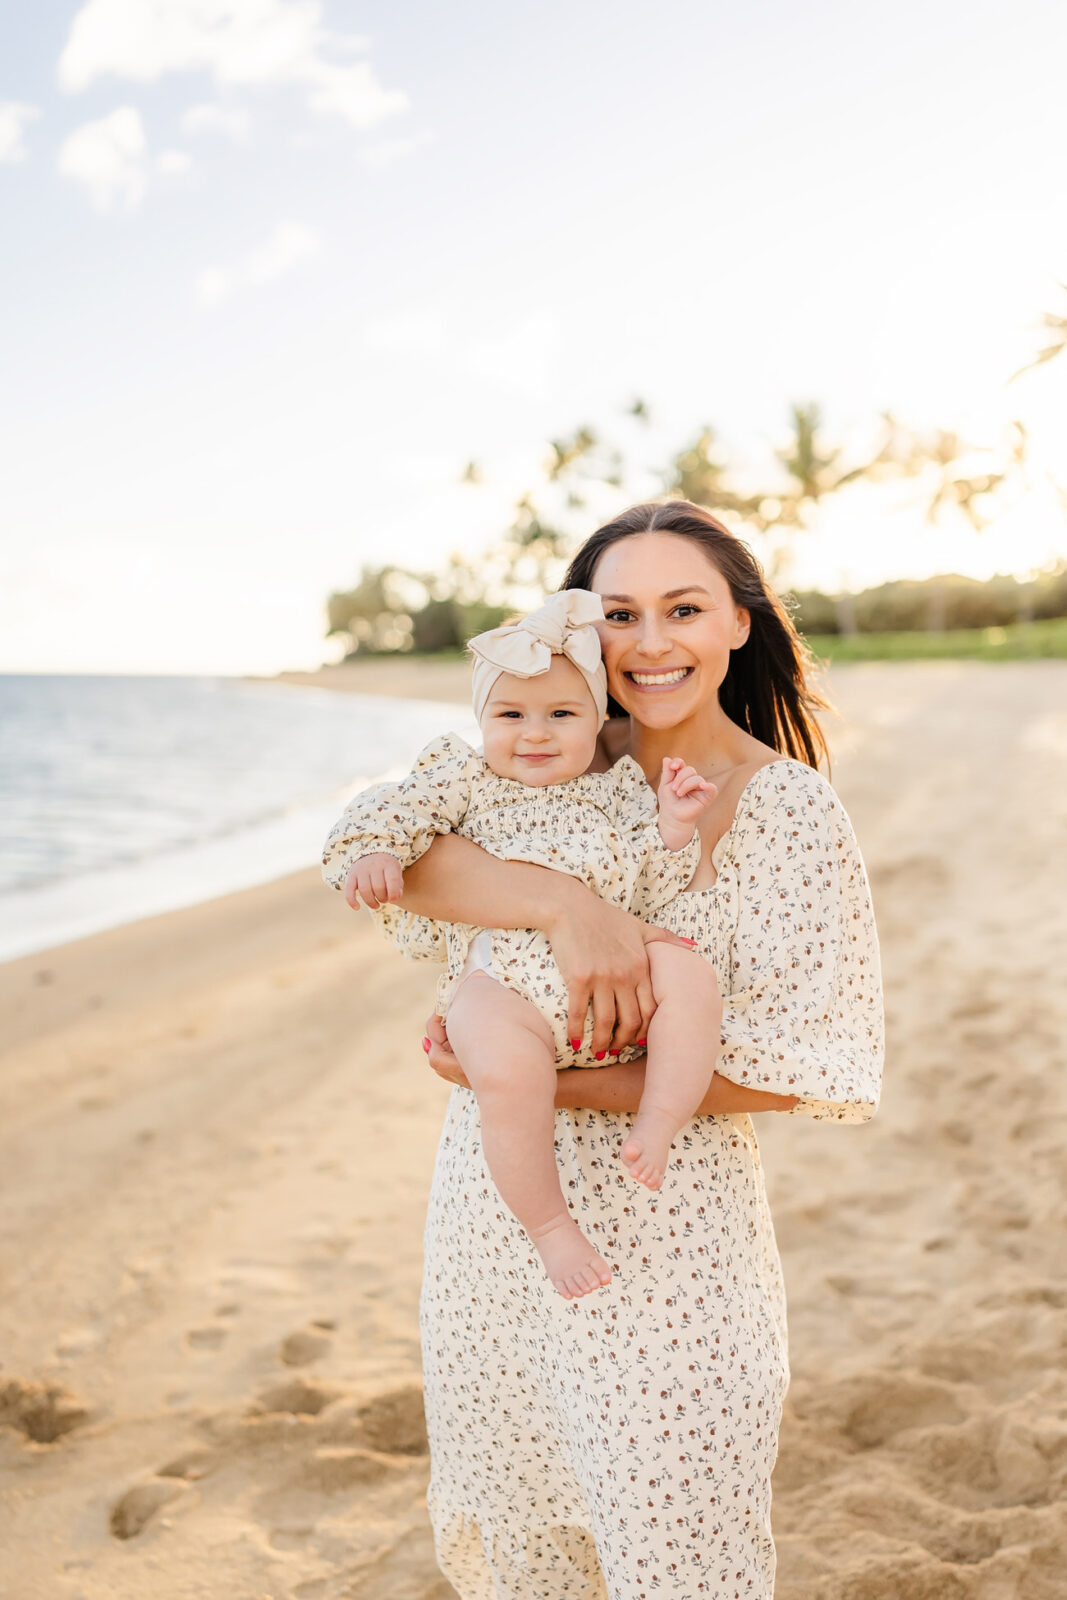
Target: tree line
{"points": [[585, 474]]}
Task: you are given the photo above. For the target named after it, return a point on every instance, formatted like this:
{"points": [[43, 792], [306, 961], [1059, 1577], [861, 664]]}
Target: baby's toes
{"points": [[631, 1152]]}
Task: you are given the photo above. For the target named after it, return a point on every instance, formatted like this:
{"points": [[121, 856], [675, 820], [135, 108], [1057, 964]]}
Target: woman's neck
{"points": [[710, 742]]}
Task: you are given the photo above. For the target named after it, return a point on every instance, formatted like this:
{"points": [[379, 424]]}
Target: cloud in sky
{"points": [[173, 162], [14, 115], [408, 333], [287, 246], [383, 153], [110, 157], [252, 42], [230, 123]]}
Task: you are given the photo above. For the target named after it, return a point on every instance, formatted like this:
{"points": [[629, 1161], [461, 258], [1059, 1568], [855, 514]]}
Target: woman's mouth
{"points": [[665, 679]]}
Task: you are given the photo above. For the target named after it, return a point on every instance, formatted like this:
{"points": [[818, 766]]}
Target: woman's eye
{"points": [[618, 616], [687, 610]]}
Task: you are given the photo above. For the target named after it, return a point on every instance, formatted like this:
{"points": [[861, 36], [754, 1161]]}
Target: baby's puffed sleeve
{"points": [[659, 873], [802, 994], [402, 819]]}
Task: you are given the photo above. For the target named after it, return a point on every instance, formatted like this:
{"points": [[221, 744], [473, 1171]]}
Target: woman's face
{"points": [[670, 626]]}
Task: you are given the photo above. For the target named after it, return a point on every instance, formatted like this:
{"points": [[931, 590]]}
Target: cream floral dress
{"points": [[621, 1445], [600, 828]]}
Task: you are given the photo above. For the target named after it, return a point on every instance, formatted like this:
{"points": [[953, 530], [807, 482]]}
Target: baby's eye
{"points": [[562, 713], [509, 713]]}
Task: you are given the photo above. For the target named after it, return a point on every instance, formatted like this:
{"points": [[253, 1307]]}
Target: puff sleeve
{"points": [[402, 819], [801, 977], [659, 872]]}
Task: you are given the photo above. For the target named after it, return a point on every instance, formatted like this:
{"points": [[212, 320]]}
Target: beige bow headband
{"points": [[561, 627]]}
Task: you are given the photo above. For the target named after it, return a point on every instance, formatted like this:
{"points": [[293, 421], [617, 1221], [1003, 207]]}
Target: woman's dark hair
{"points": [[767, 689]]}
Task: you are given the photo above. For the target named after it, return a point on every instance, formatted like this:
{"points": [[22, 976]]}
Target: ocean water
{"points": [[121, 797]]}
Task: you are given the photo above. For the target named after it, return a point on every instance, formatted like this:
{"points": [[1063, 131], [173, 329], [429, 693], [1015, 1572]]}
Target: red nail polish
{"points": [[601, 1056], [642, 1041], [576, 1044], [426, 1045], [613, 1052]]}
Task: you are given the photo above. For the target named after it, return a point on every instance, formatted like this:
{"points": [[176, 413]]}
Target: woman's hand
{"points": [[439, 1052], [602, 954]]}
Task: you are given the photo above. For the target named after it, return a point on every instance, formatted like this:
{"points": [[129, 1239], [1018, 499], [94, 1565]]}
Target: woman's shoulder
{"points": [[785, 780], [786, 796]]}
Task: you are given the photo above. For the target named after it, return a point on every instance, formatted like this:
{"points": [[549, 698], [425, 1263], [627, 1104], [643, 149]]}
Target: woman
{"points": [[621, 1445]]}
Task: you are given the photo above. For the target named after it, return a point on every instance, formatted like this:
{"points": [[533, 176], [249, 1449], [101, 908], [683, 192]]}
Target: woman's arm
{"points": [[614, 1088], [599, 949], [618, 1088]]}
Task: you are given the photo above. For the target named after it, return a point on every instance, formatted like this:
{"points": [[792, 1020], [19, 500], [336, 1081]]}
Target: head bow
{"points": [[561, 627]]}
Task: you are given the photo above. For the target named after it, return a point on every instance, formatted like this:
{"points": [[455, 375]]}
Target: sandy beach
{"points": [[216, 1138]]}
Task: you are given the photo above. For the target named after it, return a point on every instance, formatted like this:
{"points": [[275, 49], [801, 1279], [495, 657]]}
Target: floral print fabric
{"points": [[599, 827], [620, 1447]]}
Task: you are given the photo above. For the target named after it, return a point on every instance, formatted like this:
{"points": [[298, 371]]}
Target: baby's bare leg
{"points": [[683, 1046], [506, 1050]]}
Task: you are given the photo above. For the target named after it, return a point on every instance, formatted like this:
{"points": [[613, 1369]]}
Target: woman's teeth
{"points": [[646, 678]]}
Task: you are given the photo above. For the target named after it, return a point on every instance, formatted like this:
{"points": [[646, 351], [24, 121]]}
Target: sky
{"points": [[274, 271]]}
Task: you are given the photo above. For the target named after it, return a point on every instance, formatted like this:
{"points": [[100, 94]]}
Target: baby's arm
{"points": [[391, 825], [668, 847], [682, 794]]}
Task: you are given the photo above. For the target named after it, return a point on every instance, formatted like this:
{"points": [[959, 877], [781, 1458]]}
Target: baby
{"points": [[540, 696]]}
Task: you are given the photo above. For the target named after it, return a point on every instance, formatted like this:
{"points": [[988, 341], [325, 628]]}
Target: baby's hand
{"points": [[683, 794], [374, 881]]}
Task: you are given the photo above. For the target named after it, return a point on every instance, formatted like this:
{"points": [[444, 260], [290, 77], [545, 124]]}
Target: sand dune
{"points": [[217, 1129]]}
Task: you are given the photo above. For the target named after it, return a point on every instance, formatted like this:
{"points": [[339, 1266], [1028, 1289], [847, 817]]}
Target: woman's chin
{"points": [[657, 710]]}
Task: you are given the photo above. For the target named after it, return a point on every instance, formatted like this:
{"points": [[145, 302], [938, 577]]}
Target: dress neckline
{"points": [[724, 839]]}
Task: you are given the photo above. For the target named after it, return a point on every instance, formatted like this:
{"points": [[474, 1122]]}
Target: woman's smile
{"points": [[662, 678]]}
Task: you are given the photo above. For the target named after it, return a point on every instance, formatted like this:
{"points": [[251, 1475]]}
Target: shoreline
{"points": [[259, 851], [408, 677]]}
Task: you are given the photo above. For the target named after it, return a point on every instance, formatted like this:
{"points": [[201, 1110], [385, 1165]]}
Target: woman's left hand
{"points": [[439, 1053]]}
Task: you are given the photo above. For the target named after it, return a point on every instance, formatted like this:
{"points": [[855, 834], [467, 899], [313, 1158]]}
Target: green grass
{"points": [[1025, 641]]}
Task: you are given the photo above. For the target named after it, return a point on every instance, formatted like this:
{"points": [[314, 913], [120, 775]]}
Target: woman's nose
{"points": [[653, 641]]}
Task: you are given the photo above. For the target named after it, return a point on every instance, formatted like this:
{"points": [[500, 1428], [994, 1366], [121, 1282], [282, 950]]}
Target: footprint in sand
{"points": [[207, 1338], [43, 1412], [305, 1345], [899, 1401], [870, 1408], [134, 1509], [333, 1470], [395, 1421], [190, 1465], [297, 1397]]}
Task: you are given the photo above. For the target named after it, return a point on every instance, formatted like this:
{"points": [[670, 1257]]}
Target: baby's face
{"points": [[540, 730]]}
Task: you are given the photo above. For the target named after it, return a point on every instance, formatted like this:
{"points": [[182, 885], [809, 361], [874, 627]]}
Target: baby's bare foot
{"points": [[647, 1151], [570, 1260]]}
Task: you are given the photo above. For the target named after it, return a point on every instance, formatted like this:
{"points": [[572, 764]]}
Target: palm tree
{"points": [[967, 491], [1055, 324]]}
